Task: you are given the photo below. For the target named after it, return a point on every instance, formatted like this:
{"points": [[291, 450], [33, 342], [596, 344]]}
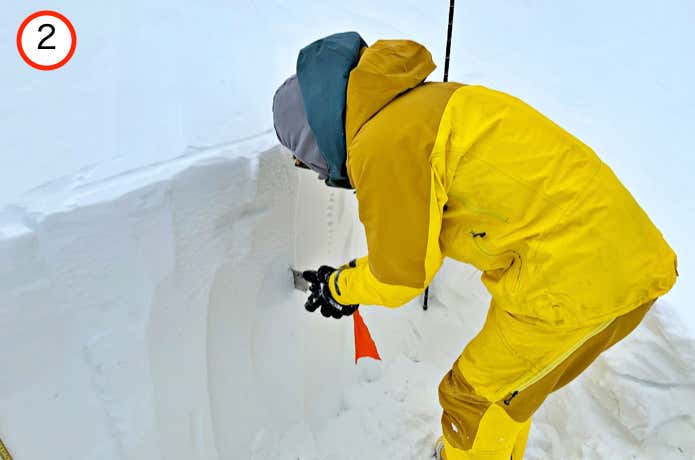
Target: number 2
{"points": [[50, 34]]}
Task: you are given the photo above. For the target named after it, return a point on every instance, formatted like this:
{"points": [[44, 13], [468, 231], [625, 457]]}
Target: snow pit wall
{"points": [[162, 323]]}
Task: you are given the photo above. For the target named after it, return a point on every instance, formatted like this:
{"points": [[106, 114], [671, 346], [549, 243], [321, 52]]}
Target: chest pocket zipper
{"points": [[479, 235], [479, 211]]}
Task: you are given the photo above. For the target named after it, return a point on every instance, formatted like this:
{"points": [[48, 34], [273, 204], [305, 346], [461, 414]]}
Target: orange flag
{"points": [[364, 344]]}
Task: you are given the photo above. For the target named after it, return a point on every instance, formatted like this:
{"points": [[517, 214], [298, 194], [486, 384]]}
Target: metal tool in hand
{"points": [[300, 283]]}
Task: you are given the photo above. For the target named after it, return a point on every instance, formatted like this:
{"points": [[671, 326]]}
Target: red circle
{"points": [[59, 16]]}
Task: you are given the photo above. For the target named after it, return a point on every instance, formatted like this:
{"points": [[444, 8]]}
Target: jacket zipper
{"points": [[481, 211], [488, 212], [555, 363]]}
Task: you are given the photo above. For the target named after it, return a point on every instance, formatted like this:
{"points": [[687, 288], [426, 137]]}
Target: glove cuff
{"points": [[333, 286]]}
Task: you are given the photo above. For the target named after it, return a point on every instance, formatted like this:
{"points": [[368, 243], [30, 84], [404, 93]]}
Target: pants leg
{"points": [[521, 439], [517, 449], [506, 372]]}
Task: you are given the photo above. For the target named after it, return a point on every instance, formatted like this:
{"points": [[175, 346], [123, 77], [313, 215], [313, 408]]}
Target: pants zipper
{"points": [[555, 363]]}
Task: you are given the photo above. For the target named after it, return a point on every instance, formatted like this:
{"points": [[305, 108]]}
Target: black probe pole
{"points": [[425, 301], [448, 40]]}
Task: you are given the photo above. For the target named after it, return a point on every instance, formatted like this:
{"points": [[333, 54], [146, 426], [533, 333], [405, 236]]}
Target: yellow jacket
{"points": [[444, 169]]}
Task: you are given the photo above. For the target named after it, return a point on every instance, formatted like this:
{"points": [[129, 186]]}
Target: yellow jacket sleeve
{"points": [[402, 227]]}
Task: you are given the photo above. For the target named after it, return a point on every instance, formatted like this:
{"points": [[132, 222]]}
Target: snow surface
{"points": [[147, 222]]}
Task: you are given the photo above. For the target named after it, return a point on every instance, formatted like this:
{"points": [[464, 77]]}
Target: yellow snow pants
{"points": [[505, 373]]}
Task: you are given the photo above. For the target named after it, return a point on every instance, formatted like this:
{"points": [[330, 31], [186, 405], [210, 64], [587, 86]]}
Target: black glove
{"points": [[321, 296]]}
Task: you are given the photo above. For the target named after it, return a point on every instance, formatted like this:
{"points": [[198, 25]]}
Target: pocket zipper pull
{"points": [[508, 401]]}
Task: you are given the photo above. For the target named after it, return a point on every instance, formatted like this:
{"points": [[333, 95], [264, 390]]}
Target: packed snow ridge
{"points": [[161, 324]]}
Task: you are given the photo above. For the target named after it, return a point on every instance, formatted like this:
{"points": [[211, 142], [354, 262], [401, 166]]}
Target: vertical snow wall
{"points": [[162, 324]]}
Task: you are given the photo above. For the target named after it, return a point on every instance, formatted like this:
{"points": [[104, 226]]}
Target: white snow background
{"points": [[147, 220]]}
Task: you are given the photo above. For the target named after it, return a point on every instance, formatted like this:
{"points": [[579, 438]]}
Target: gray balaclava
{"points": [[292, 127]]}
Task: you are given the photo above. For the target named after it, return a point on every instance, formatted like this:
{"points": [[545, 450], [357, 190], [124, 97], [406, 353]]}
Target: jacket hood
{"points": [[292, 127], [323, 69], [385, 70]]}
